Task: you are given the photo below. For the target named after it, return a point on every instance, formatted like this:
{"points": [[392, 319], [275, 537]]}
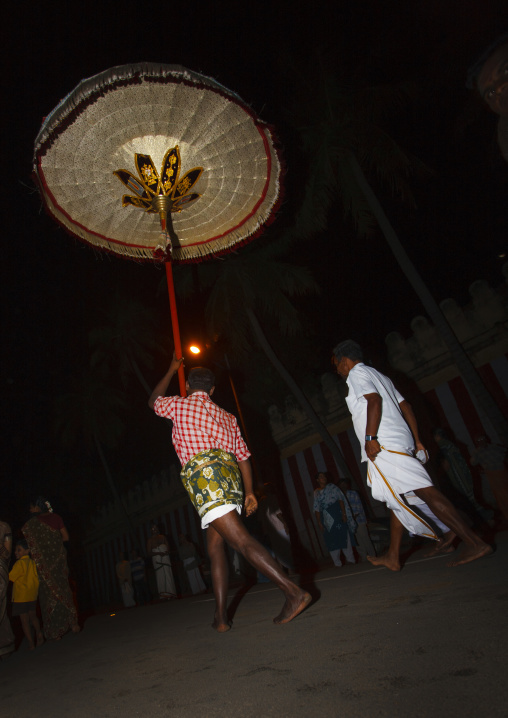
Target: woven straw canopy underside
{"points": [[148, 109]]}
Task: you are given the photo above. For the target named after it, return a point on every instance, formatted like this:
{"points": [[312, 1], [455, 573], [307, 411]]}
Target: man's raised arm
{"points": [[162, 386]]}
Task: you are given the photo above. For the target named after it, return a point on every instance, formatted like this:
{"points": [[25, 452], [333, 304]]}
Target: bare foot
{"points": [[75, 628], [40, 639], [221, 627], [387, 561], [471, 553], [293, 606], [444, 545], [31, 646]]}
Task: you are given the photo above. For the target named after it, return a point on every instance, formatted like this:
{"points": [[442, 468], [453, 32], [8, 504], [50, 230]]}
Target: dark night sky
{"points": [[53, 286]]}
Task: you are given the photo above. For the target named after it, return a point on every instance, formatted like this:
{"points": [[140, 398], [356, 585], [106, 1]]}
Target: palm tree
{"points": [[342, 121], [344, 140], [488, 409], [124, 342], [243, 288], [88, 416]]}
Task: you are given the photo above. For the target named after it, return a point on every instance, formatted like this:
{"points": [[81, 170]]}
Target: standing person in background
{"points": [[157, 547], [191, 563], [45, 533], [6, 634], [24, 593], [364, 544], [459, 474], [277, 529], [334, 519], [124, 576], [139, 582], [492, 459]]}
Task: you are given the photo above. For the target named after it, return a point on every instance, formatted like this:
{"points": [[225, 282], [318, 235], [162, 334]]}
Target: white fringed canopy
{"points": [[148, 108]]}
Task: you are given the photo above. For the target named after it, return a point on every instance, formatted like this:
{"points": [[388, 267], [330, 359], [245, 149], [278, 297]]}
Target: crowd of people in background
{"points": [[133, 576], [41, 595], [335, 519], [39, 574]]}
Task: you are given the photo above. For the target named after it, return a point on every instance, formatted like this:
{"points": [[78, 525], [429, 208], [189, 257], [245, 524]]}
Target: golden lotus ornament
{"points": [[151, 186]]}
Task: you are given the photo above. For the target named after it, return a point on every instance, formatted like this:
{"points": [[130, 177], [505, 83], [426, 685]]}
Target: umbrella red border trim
{"points": [[48, 192]]}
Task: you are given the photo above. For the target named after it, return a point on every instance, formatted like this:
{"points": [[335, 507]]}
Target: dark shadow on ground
{"points": [[237, 598], [306, 582]]}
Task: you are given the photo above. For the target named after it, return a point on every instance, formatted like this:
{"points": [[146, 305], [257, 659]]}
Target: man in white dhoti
{"points": [[158, 548], [191, 563], [386, 427]]}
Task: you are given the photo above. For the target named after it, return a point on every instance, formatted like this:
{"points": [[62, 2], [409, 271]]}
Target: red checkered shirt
{"points": [[199, 425]]}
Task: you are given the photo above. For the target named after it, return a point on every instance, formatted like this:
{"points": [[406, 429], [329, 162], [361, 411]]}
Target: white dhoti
{"points": [[127, 595], [163, 572], [413, 500], [394, 474], [196, 583]]}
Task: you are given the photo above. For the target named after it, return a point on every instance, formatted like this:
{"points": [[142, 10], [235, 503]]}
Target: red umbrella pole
{"points": [[174, 323], [163, 204]]}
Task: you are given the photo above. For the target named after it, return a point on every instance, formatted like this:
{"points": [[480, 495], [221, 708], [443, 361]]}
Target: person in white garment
{"points": [[123, 573], [277, 529], [364, 544], [387, 430], [191, 562], [157, 547]]}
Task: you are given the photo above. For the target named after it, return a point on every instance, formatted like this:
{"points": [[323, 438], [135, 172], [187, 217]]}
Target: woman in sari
{"points": [[6, 634], [335, 519], [45, 533]]}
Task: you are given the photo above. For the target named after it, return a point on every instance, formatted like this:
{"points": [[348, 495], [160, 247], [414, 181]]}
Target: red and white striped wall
{"points": [[456, 410]]}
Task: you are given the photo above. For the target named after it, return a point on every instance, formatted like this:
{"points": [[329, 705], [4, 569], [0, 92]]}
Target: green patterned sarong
{"points": [[212, 479]]}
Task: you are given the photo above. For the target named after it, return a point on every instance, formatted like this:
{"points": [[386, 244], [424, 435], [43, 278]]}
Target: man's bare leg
{"points": [[234, 532], [219, 566], [27, 630], [443, 545], [37, 627], [446, 512], [391, 559]]}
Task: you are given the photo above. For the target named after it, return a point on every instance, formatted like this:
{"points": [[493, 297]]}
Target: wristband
{"points": [[370, 437]]}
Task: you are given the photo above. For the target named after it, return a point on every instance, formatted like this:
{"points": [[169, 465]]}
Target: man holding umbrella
{"points": [[215, 461]]}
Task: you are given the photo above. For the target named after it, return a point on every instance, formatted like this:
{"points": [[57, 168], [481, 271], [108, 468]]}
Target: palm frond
{"points": [[384, 101], [354, 202], [381, 156], [91, 408], [342, 119]]}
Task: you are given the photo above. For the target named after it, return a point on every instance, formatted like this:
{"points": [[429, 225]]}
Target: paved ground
{"points": [[429, 641]]}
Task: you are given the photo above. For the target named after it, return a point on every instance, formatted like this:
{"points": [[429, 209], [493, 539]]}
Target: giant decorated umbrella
{"points": [[155, 162]]}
